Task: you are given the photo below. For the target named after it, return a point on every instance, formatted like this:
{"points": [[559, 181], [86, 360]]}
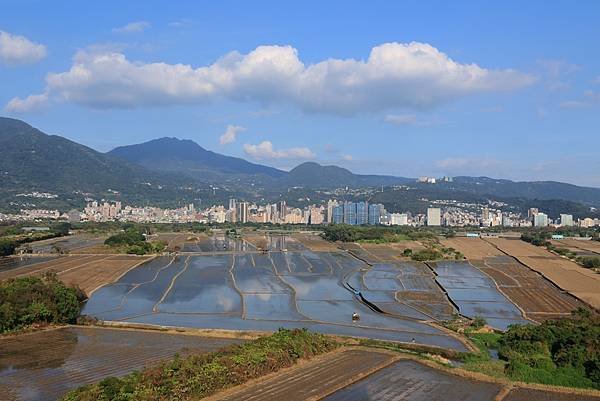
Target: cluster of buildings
{"points": [[443, 213]]}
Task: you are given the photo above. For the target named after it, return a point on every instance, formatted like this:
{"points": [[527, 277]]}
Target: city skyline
{"points": [[436, 92]]}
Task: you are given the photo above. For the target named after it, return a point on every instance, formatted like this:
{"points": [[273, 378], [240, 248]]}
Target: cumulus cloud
{"points": [[29, 104], [264, 150], [16, 49], [230, 134], [347, 158], [133, 27], [413, 75]]}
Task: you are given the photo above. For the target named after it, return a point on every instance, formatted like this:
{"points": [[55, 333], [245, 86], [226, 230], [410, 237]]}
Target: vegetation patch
{"points": [[196, 376], [26, 301], [561, 352], [132, 240]]}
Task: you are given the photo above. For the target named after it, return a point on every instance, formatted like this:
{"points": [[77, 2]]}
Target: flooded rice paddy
{"points": [[246, 289], [264, 291], [476, 294], [43, 366]]}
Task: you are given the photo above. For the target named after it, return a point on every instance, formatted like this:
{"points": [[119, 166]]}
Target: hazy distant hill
{"points": [[187, 157], [314, 175], [528, 190]]}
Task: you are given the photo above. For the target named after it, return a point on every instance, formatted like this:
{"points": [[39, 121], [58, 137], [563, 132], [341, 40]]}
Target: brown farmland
{"points": [[315, 243], [85, 271], [536, 296], [581, 282]]}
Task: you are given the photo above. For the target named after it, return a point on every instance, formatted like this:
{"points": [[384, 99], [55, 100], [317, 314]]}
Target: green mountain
{"points": [[187, 157], [31, 160]]}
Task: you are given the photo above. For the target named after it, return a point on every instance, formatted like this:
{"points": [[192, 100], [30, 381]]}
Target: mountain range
{"points": [[170, 171]]}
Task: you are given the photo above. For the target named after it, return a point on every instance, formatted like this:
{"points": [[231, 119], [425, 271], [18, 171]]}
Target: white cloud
{"points": [[16, 49], [466, 164], [133, 27], [590, 98], [230, 134], [347, 158], [402, 119], [414, 75], [29, 104], [264, 150]]}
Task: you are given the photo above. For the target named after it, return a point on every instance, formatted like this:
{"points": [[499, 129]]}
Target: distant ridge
{"points": [[187, 157], [170, 170]]}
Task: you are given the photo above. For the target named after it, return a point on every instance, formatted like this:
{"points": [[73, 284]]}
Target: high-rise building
{"points": [[375, 212], [316, 215], [362, 213], [566, 220], [232, 204], [242, 212], [350, 213], [532, 212], [434, 216], [540, 220], [338, 214], [281, 210], [330, 205]]}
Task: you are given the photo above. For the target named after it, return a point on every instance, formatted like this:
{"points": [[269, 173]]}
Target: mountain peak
{"points": [[185, 155]]}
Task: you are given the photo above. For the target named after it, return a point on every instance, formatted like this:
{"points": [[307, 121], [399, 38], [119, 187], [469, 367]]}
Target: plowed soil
{"points": [[314, 379], [581, 282]]}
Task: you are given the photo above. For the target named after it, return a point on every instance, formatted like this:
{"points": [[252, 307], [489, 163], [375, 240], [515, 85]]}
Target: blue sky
{"points": [[507, 90]]}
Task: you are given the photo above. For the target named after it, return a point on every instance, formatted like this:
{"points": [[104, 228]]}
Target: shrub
{"points": [[30, 300]]}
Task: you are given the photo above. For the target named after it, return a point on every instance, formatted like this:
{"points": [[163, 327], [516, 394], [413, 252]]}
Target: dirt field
{"points": [[583, 283], [411, 381], [592, 247], [315, 243], [86, 271], [472, 248], [534, 294], [312, 380], [44, 365], [174, 241]]}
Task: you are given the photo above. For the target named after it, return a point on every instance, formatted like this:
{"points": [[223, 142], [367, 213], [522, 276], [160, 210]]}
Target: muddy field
{"points": [[315, 243], [175, 241], [70, 244], [257, 291], [85, 271], [412, 381], [44, 365], [314, 379], [583, 283]]}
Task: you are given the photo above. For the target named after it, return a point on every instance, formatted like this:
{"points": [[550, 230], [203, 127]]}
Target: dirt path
{"points": [[313, 379]]}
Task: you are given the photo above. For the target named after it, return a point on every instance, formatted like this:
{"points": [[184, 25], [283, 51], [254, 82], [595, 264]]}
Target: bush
{"points": [[559, 352], [196, 376], [590, 262], [7, 247], [426, 254], [30, 300]]}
